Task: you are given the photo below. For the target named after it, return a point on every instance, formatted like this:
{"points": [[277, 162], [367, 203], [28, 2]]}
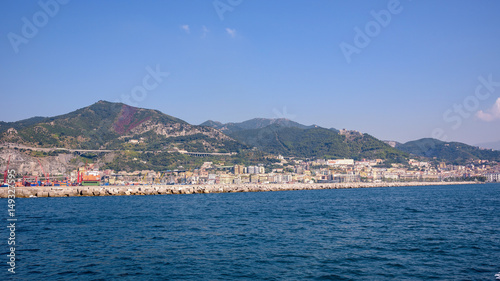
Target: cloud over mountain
{"points": [[491, 114]]}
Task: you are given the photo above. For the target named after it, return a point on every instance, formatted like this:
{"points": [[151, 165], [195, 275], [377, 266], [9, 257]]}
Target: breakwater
{"points": [[70, 191]]}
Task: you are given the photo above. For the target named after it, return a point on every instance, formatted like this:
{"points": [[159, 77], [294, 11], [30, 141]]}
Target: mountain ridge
{"points": [[254, 123], [120, 127], [106, 125], [454, 152], [288, 138]]}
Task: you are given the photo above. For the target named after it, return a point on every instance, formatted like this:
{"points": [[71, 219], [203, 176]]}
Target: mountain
{"points": [[289, 138], [491, 145], [141, 139], [452, 152], [106, 125], [316, 142], [256, 123], [4, 126]]}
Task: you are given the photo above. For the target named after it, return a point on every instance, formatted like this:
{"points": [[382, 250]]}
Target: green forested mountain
{"points": [[256, 123], [452, 152], [4, 126], [317, 142], [289, 138], [157, 136], [106, 125]]}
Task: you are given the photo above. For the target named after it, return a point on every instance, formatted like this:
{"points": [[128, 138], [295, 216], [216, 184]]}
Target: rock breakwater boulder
{"points": [[71, 191]]}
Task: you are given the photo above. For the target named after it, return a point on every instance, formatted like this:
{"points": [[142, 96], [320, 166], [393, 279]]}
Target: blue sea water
{"points": [[405, 233]]}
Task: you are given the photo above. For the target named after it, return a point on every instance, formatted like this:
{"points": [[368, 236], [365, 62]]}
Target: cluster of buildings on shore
{"points": [[313, 171]]}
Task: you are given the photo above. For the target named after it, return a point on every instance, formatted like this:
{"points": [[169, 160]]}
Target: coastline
{"points": [[75, 191]]}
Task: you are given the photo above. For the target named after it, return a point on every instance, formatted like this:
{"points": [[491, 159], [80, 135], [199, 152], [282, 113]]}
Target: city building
{"points": [[493, 177], [238, 169], [340, 162]]}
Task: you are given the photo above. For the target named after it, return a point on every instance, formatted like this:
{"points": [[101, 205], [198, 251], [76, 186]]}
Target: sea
{"points": [[392, 233]]}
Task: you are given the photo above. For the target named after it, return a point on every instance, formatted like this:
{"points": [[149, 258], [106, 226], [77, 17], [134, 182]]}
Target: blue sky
{"points": [[415, 76]]}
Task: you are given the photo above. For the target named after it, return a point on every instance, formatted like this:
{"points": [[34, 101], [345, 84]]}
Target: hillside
{"points": [[106, 125], [4, 126], [256, 123], [149, 139], [317, 142], [452, 152]]}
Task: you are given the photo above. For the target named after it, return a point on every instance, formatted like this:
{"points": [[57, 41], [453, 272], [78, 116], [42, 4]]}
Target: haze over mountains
{"points": [[491, 145], [451, 152], [115, 126], [256, 123]]}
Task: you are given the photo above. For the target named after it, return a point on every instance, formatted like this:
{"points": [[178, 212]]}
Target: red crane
{"points": [[79, 179], [6, 171], [46, 175]]}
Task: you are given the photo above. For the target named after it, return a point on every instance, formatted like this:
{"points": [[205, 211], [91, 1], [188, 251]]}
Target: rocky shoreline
{"points": [[71, 191]]}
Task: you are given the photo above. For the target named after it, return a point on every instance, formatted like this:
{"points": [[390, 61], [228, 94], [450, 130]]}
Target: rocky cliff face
{"points": [[25, 164], [176, 130]]}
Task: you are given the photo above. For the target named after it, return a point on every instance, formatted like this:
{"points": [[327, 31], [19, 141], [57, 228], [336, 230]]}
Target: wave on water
{"points": [[420, 233]]}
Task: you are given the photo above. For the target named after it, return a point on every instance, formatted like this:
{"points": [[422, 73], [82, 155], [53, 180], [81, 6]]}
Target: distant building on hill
{"points": [[340, 162]]}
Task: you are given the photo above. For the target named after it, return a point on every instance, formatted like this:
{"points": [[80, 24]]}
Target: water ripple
{"points": [[417, 233]]}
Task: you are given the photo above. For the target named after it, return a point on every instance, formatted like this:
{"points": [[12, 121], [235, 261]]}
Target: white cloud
{"points": [[205, 31], [491, 114], [231, 32], [185, 27]]}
